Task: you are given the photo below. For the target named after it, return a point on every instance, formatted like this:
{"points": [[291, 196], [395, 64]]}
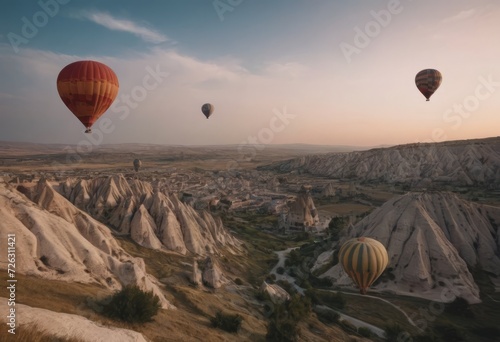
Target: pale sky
{"points": [[343, 72]]}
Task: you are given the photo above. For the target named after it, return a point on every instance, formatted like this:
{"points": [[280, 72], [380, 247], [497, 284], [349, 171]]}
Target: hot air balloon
{"points": [[87, 88], [428, 82], [363, 259], [207, 109], [137, 164]]}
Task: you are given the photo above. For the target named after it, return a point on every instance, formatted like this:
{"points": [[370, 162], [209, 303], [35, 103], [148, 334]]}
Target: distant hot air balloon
{"points": [[87, 88], [207, 109], [363, 259], [137, 164], [428, 82]]}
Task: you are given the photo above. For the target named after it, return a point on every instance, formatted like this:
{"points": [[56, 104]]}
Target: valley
{"points": [[89, 224]]}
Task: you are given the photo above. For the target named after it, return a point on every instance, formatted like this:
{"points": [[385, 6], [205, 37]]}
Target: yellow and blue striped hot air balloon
{"points": [[363, 259]]}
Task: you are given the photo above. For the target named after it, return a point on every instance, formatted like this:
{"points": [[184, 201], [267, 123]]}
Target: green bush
{"points": [[449, 333], [280, 270], [262, 296], [487, 332], [334, 300], [287, 286], [328, 316], [238, 281], [286, 316], [298, 307], [227, 322], [294, 258], [271, 278], [132, 304], [459, 307], [393, 332], [284, 330], [320, 282], [365, 332]]}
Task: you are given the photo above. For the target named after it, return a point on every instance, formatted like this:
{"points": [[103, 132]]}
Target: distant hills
{"points": [[28, 147], [464, 162]]}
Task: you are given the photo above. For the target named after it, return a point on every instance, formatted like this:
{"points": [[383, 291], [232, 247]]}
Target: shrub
{"points": [[335, 300], [262, 296], [365, 332], [287, 286], [282, 330], [286, 316], [238, 281], [459, 307], [294, 258], [392, 332], [449, 333], [132, 304], [487, 332], [298, 307], [320, 282], [280, 270], [328, 316], [271, 278], [227, 322]]}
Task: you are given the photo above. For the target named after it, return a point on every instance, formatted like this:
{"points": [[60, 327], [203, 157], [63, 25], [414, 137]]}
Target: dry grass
{"points": [[32, 333], [71, 297]]}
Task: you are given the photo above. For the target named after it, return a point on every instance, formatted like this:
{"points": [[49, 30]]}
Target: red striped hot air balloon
{"points": [[363, 259], [87, 88], [428, 81]]}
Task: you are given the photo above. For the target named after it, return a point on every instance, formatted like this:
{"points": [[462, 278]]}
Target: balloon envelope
{"points": [[87, 88], [363, 259], [428, 81], [207, 109], [137, 164]]}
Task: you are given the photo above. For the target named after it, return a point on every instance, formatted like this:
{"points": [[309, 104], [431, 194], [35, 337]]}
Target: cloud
{"points": [[290, 69], [165, 112], [460, 16], [116, 24]]}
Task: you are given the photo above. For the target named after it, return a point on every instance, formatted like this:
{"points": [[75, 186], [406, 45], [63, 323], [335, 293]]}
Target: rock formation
{"points": [[276, 293], [302, 212], [329, 190], [433, 240], [212, 274], [475, 162], [151, 217], [196, 276], [55, 240]]}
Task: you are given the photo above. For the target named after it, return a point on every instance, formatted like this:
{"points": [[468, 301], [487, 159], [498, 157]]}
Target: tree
{"points": [[132, 304], [459, 307], [335, 227], [285, 318], [227, 322], [393, 332]]}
